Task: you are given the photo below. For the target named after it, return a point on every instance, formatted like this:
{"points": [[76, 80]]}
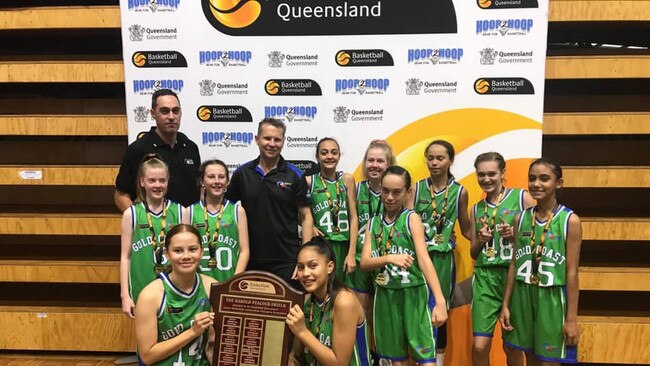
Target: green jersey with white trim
{"points": [[321, 325], [552, 264], [141, 269], [320, 207], [400, 242], [424, 208], [227, 245], [510, 205], [176, 315]]}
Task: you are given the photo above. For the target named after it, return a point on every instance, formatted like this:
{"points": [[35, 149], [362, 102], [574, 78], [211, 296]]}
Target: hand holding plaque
{"points": [[250, 313]]}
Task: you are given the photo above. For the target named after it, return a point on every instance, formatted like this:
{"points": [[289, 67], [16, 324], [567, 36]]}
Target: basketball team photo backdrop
{"points": [[471, 73]]}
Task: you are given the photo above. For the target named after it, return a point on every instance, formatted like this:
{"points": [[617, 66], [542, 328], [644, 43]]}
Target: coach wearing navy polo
{"points": [[274, 195], [176, 149]]}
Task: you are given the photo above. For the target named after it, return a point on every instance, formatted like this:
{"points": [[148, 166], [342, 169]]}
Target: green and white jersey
{"points": [[176, 315], [141, 270], [322, 327], [552, 264], [401, 243], [368, 205], [322, 211], [424, 208], [227, 245], [510, 205]]}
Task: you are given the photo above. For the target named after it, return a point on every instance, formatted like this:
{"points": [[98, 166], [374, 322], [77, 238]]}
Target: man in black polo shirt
{"points": [[274, 195], [180, 154]]}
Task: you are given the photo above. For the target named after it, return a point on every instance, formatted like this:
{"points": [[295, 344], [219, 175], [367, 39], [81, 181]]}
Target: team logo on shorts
{"points": [[385, 362]]}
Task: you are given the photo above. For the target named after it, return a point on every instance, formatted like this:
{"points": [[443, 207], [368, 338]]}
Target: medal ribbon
{"points": [[438, 218], [370, 195], [156, 245], [486, 217], [386, 249], [537, 249], [212, 240], [334, 211], [311, 313]]}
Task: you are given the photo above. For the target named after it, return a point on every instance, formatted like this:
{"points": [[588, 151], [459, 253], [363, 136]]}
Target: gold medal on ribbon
{"points": [[159, 268], [212, 262], [438, 238], [490, 252], [336, 230], [534, 279], [381, 279]]}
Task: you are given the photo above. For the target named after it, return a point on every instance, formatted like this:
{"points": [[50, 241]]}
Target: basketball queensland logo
{"points": [[506, 4], [485, 86], [329, 17]]}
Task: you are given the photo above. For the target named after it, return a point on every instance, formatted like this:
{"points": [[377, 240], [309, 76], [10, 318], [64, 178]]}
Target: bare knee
{"points": [[482, 345]]}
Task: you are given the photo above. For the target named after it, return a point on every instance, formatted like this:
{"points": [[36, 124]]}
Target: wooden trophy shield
{"points": [[250, 313]]}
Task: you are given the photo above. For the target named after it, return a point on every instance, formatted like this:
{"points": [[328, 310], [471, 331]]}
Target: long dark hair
{"points": [[324, 248]]}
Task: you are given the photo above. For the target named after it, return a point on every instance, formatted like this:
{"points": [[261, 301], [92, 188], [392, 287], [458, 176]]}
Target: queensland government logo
{"points": [[147, 59], [506, 4], [279, 59], [278, 87], [137, 33], [153, 5], [206, 87], [297, 113], [149, 86], [372, 57], [489, 56], [414, 87], [361, 86], [223, 113], [141, 114], [329, 17], [504, 27], [308, 142], [435, 56], [342, 114], [233, 88], [486, 86], [225, 58], [227, 139]]}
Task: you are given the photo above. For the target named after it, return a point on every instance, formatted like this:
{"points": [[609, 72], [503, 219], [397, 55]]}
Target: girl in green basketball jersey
{"points": [[334, 330], [144, 227], [221, 223], [334, 206], [408, 299], [540, 304], [440, 200], [494, 217], [173, 314]]}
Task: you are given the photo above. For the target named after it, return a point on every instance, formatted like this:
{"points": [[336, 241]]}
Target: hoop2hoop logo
{"points": [[329, 17], [235, 13]]}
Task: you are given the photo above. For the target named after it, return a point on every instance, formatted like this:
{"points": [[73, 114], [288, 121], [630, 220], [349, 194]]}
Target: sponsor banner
{"points": [[406, 72], [148, 59], [487, 86], [278, 87], [223, 113], [346, 58]]}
